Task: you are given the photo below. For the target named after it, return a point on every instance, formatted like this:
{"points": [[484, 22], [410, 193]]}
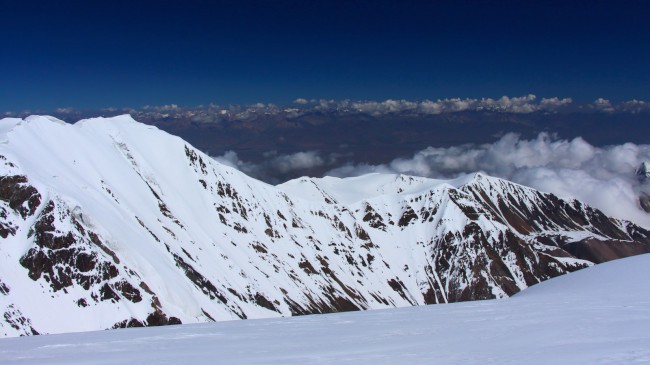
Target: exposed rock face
{"points": [[124, 235], [644, 201]]}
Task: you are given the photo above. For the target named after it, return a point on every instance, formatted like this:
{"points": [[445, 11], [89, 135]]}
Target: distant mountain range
{"points": [[111, 223]]}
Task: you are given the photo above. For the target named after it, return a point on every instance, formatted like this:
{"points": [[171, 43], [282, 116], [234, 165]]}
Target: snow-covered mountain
{"points": [[111, 223]]}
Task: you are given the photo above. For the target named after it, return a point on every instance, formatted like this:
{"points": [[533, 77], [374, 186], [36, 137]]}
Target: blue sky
{"points": [[119, 53]]}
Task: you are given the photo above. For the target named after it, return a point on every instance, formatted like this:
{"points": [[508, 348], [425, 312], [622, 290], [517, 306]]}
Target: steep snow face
{"points": [[111, 223], [599, 315]]}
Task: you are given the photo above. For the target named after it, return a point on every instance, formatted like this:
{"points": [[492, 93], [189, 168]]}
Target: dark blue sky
{"points": [[94, 54]]}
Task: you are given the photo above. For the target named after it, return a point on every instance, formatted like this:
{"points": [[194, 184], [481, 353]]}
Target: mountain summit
{"points": [[110, 223], [643, 172], [643, 175]]}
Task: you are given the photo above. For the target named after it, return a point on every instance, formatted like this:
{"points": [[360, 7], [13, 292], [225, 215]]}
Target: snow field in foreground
{"points": [[599, 315]]}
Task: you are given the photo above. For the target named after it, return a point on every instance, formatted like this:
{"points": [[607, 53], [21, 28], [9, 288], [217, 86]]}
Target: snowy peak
{"points": [[354, 189], [111, 223], [643, 172]]}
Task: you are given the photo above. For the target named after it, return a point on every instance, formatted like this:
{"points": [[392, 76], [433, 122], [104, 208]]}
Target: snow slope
{"points": [[110, 223], [354, 189], [599, 315]]}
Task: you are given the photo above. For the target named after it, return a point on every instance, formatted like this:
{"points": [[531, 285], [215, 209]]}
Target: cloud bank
{"points": [[214, 113], [602, 177], [522, 104], [518, 105]]}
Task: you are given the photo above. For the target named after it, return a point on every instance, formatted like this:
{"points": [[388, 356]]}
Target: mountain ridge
{"points": [[111, 223]]}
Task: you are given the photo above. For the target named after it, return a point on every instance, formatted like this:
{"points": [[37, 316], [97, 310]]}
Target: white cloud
{"points": [[602, 177], [431, 107], [294, 161], [275, 167], [458, 105], [603, 105], [230, 158], [162, 108], [554, 103], [522, 104], [301, 101], [634, 106]]}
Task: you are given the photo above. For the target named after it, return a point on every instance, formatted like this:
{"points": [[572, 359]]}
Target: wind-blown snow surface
{"points": [[111, 223], [599, 315]]}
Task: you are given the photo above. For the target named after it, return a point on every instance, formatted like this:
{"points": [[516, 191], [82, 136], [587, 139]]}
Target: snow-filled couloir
{"points": [[111, 223]]}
